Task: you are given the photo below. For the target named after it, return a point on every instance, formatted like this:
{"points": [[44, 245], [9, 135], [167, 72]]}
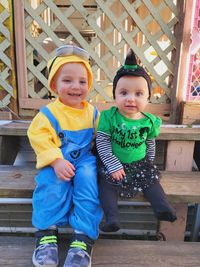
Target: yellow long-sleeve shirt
{"points": [[43, 137]]}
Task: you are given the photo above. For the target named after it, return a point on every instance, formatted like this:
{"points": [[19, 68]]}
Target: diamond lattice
{"points": [[106, 29], [7, 76]]}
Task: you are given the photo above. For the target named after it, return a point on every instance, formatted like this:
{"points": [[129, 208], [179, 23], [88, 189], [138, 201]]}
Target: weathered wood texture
{"points": [[190, 113], [168, 132], [18, 181], [5, 115], [162, 110], [17, 252]]}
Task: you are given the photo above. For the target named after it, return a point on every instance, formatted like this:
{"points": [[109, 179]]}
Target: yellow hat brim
{"points": [[60, 61]]}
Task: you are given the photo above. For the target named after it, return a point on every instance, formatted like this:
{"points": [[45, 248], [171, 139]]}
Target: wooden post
{"points": [[183, 38], [20, 49]]}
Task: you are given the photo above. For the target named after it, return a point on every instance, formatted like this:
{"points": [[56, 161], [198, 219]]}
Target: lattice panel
{"points": [[193, 87], [7, 71], [194, 93], [106, 29]]}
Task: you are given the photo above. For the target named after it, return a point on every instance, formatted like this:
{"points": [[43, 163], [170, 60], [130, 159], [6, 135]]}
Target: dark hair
{"points": [[131, 68]]}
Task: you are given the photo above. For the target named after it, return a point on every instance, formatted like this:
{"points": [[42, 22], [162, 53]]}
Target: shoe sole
{"points": [[36, 264], [90, 264]]}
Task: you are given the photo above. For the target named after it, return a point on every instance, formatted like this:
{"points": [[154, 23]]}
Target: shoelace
{"points": [[79, 244], [48, 240]]}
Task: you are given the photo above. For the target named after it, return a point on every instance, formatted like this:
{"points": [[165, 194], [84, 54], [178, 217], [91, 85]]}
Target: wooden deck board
{"points": [[168, 132], [17, 252], [18, 181]]}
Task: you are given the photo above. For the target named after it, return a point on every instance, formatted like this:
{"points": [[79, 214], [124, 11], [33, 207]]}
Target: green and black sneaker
{"points": [[46, 251], [80, 251]]}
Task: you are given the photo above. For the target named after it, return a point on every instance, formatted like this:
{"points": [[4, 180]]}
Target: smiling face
{"points": [[71, 84], [131, 96]]}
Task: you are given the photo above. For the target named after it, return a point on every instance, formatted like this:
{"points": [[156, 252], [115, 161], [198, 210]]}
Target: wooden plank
{"points": [[20, 48], [15, 128], [179, 155], [179, 134], [67, 3], [18, 181], [190, 113], [5, 115], [17, 251], [145, 253], [183, 35], [157, 109], [168, 132], [179, 185]]}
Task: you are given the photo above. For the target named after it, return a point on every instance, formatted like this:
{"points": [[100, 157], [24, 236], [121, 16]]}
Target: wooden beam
{"points": [[162, 110], [20, 49], [183, 36], [167, 132]]}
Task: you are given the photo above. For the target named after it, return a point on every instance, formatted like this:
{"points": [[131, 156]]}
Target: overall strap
{"points": [[95, 115], [54, 122]]}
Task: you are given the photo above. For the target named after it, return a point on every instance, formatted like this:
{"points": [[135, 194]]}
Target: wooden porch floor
{"points": [[17, 252]]}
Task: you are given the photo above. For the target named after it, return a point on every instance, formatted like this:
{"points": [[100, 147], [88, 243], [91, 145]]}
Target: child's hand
{"points": [[118, 175], [63, 169]]}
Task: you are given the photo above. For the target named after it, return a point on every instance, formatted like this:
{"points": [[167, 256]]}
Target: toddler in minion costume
{"points": [[66, 184]]}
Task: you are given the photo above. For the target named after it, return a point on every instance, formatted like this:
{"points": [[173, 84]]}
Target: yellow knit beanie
{"points": [[55, 63]]}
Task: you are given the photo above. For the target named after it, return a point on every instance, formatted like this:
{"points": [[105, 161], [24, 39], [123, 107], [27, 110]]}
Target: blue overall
{"points": [[57, 202]]}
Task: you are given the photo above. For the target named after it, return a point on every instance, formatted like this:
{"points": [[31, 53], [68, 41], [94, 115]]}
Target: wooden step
{"points": [[17, 252], [180, 187]]}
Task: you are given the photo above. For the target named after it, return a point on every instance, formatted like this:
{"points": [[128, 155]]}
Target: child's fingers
{"points": [[123, 172], [69, 164], [64, 177], [118, 175], [70, 172]]}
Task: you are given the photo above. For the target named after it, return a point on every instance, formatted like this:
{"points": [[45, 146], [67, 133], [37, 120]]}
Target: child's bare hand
{"points": [[63, 169], [118, 175]]}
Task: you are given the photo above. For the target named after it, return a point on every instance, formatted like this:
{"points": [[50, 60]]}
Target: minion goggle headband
{"points": [[69, 50]]}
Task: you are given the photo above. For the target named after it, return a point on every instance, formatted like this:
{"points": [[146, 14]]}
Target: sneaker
{"points": [[46, 251], [80, 251]]}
